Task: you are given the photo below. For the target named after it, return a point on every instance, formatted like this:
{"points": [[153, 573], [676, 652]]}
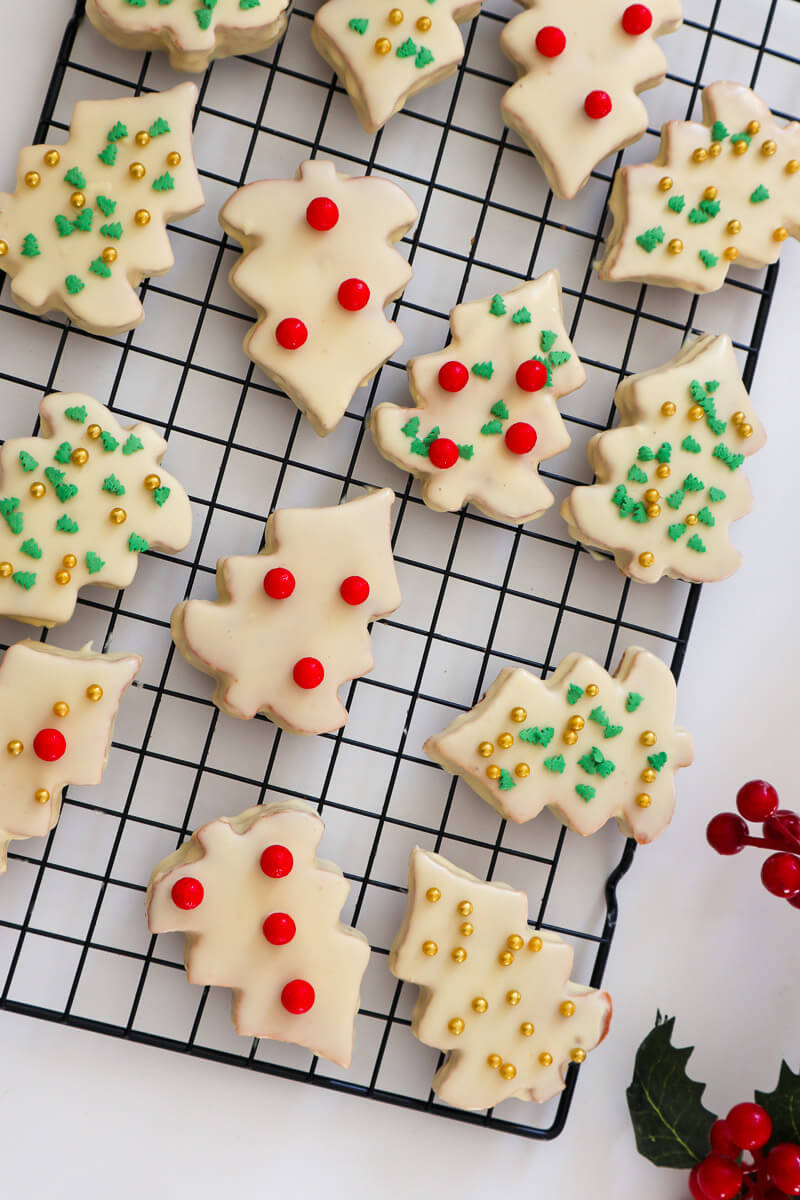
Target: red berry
{"points": [[322, 214], [520, 437], [354, 590], [443, 453], [277, 861], [531, 375], [750, 1125], [726, 833], [782, 822], [597, 105], [291, 333], [783, 1167], [780, 874], [637, 19], [49, 745], [279, 928], [187, 892], [550, 41], [795, 901], [298, 996], [721, 1141], [279, 583], [353, 294], [719, 1178], [756, 800], [694, 1186], [453, 376], [308, 673]]}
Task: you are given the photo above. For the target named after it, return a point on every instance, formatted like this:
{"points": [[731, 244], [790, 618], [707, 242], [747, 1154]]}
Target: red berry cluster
{"points": [[728, 833], [738, 1163]]}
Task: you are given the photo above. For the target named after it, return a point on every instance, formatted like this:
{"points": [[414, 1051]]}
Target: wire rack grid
{"points": [[477, 594]]}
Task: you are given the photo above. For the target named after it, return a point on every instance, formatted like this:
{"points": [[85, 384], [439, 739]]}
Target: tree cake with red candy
{"points": [[57, 712], [261, 916], [319, 267], [291, 623], [495, 995], [582, 64], [486, 405]]}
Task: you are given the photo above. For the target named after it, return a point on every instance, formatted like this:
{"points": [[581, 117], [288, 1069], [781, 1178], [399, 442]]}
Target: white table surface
{"points": [[85, 1115]]}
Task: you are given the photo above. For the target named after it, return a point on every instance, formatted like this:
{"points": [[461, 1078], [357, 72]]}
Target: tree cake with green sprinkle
{"points": [[668, 478], [78, 505], [487, 411], [193, 32], [720, 192], [88, 220], [588, 745]]}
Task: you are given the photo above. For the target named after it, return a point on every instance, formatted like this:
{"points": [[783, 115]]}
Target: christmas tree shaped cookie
{"points": [[721, 192], [78, 505], [290, 626], [193, 32], [384, 55], [261, 916], [582, 64], [588, 745], [495, 996], [88, 219], [319, 267], [57, 712], [669, 478], [487, 413]]}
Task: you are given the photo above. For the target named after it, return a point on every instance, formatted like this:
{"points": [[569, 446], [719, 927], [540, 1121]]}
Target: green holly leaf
{"points": [[783, 1105], [664, 452], [76, 413], [555, 764], [164, 183], [759, 195], [691, 445], [411, 427], [499, 410], [676, 203], [27, 461], [159, 127], [506, 781], [708, 259], [117, 132], [484, 369], [466, 452], [106, 205], [132, 445], [676, 531], [492, 427], [645, 454], [497, 307], [94, 562], [632, 701], [359, 25], [574, 693], [716, 494], [424, 56], [636, 475], [557, 358], [108, 155], [546, 340], [521, 317], [651, 238], [76, 177], [406, 49], [110, 443], [718, 132], [585, 791]]}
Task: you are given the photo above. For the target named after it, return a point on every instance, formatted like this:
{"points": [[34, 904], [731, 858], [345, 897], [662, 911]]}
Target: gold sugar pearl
{"points": [[513, 997], [577, 1055], [715, 149], [94, 692], [575, 722], [592, 690], [109, 255], [744, 430], [696, 413], [137, 170], [6, 569], [467, 929], [430, 949], [653, 511], [546, 1059], [740, 148], [424, 24], [433, 894], [486, 749], [493, 772], [648, 775], [41, 796], [526, 1029], [730, 253], [665, 183], [567, 1009], [648, 738], [459, 955], [522, 770], [663, 470], [80, 457], [733, 227], [456, 1026], [93, 432], [142, 217], [15, 748], [690, 519], [383, 46], [700, 154], [3, 248], [792, 166], [142, 137], [505, 741], [118, 516], [493, 1061], [570, 737], [651, 495], [505, 958], [769, 148], [38, 490], [668, 409], [780, 234], [173, 159], [675, 246], [508, 1070], [535, 944], [643, 800], [77, 200], [480, 1004], [518, 715], [69, 561], [646, 559], [396, 16], [465, 908], [738, 417], [52, 158], [151, 482], [514, 942], [710, 193], [753, 127], [61, 709], [33, 179], [62, 578]]}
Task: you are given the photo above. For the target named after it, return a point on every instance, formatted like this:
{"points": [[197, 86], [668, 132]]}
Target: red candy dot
{"points": [[531, 375], [637, 19], [277, 861], [291, 333], [187, 892], [443, 453], [279, 928], [520, 437], [49, 745], [322, 214], [453, 376], [597, 105], [354, 590], [353, 294], [279, 583], [308, 672], [298, 996], [550, 41]]}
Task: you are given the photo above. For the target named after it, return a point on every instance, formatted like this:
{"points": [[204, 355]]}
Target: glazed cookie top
{"points": [[588, 745], [722, 192], [487, 413], [78, 505], [495, 995], [582, 64], [88, 219], [669, 478], [261, 916], [57, 712]]}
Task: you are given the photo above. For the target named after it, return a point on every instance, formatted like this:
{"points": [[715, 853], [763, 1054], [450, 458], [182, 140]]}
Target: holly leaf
{"points": [[671, 1125], [783, 1105]]}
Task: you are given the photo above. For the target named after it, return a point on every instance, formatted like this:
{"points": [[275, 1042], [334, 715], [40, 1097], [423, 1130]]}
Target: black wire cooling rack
{"points": [[477, 594]]}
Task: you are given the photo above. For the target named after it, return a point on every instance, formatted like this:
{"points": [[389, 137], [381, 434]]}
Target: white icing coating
{"points": [[33, 678], [688, 535], [250, 641], [112, 198], [638, 205], [419, 54], [494, 913], [545, 107], [503, 484], [119, 461], [540, 736], [291, 270], [234, 27], [226, 945]]}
